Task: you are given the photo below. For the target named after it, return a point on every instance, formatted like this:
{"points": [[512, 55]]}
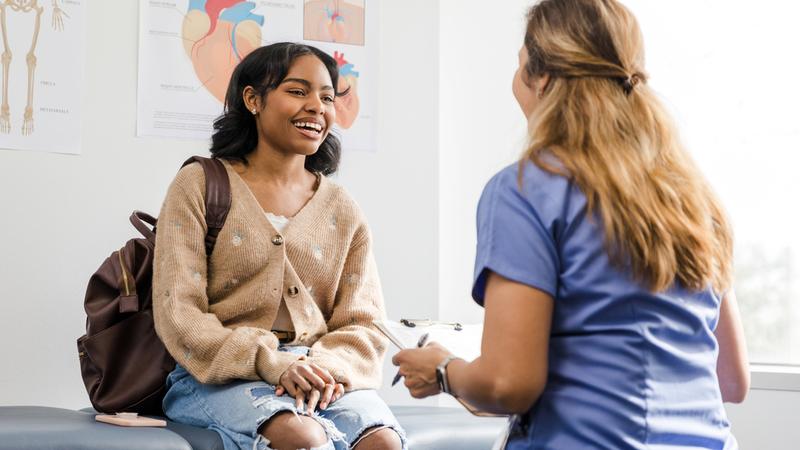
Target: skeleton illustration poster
{"points": [[42, 52], [189, 48]]}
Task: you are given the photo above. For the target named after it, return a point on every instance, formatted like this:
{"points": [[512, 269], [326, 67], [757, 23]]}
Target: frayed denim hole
{"points": [[261, 443], [327, 446], [261, 395], [331, 431], [259, 438], [379, 426]]}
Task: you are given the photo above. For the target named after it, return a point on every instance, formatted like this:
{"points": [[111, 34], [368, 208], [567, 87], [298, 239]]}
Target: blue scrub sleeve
{"points": [[512, 240]]}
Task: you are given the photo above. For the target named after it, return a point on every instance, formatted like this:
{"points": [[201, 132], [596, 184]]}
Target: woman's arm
{"points": [[511, 372], [733, 368]]}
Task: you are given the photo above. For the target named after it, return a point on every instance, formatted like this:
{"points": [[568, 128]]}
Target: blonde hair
{"points": [[617, 143]]}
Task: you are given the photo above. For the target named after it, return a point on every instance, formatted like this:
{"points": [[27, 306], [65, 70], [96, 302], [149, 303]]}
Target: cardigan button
{"points": [[293, 290], [277, 239]]}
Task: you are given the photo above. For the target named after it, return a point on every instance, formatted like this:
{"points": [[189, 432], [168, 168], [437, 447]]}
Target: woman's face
{"points": [[523, 86], [298, 114]]}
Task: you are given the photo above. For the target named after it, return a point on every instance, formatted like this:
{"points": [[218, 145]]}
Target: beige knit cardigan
{"points": [[214, 316]]}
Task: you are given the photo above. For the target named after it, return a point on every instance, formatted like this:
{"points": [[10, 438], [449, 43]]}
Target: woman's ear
{"points": [[251, 99], [540, 84]]}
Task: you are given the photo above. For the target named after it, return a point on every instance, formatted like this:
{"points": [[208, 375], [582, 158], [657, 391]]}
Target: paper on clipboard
{"points": [[464, 343]]}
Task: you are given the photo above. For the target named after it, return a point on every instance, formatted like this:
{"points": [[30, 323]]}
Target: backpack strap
{"points": [[139, 219], [218, 196]]}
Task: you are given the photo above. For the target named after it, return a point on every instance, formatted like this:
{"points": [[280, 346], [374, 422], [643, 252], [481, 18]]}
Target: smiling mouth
{"points": [[310, 129]]}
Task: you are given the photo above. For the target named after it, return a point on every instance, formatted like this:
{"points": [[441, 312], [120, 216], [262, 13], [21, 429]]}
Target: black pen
{"points": [[421, 343]]}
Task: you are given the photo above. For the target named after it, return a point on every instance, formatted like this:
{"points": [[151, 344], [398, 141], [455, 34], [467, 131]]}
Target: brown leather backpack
{"points": [[123, 362]]}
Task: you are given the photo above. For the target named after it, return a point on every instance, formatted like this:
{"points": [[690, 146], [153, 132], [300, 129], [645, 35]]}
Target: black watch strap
{"points": [[441, 374]]}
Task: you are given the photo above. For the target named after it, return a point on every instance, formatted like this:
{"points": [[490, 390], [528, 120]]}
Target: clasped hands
{"points": [[310, 385]]}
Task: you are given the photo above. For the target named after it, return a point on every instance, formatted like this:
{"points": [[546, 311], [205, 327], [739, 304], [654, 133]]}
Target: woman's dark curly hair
{"points": [[235, 134]]}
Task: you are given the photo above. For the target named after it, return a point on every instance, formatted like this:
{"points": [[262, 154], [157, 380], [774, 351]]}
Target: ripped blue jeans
{"points": [[238, 409]]}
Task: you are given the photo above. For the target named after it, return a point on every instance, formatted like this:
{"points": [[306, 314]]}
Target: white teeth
{"points": [[314, 126]]}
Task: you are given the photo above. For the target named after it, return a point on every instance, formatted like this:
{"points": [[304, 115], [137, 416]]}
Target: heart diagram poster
{"points": [[42, 56], [189, 48]]}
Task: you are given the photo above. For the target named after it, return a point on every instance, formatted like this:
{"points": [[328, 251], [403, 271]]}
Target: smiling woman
{"points": [[263, 358], [297, 82], [303, 102]]}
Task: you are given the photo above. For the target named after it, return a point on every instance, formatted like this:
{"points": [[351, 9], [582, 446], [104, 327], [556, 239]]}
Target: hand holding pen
{"points": [[421, 343], [418, 366]]}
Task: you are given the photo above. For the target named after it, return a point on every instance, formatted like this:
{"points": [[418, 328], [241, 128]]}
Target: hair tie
{"points": [[629, 83]]}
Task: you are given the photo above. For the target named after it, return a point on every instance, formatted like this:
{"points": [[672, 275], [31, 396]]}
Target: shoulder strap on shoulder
{"points": [[218, 196]]}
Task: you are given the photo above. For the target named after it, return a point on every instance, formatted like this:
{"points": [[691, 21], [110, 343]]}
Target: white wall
{"points": [[481, 130], [62, 215], [767, 420]]}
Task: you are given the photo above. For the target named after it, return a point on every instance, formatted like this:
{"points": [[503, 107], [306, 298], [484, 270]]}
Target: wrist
{"points": [[441, 375]]}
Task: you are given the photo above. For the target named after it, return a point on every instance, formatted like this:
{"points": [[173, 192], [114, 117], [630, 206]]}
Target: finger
{"points": [[419, 382], [327, 396], [290, 389], [301, 382], [424, 391], [433, 344], [279, 390], [315, 381], [338, 392], [313, 399], [421, 393], [398, 357], [299, 399], [323, 373]]}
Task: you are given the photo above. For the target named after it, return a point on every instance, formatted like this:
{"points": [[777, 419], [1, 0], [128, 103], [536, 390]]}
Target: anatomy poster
{"points": [[42, 59], [189, 48]]}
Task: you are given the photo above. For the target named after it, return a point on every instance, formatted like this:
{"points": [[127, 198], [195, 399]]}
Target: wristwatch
{"points": [[441, 374]]}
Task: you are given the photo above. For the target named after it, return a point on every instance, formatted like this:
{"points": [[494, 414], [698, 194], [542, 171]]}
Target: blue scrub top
{"points": [[628, 368]]}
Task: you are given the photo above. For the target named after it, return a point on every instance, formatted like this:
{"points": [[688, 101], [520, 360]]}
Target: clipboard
{"points": [[463, 340]]}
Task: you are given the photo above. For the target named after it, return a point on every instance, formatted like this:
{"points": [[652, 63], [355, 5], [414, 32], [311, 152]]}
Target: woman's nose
{"points": [[314, 104]]}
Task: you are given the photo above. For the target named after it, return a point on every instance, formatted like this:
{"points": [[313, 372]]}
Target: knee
{"points": [[287, 431], [383, 439]]}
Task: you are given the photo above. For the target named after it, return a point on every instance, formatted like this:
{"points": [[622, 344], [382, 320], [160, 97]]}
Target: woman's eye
{"points": [[327, 99], [296, 92]]}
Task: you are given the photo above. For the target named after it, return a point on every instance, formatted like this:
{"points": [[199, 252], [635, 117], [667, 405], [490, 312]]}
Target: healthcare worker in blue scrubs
{"points": [[604, 260]]}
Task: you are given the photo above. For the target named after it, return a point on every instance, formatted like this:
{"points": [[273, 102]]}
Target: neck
{"points": [[269, 165]]}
